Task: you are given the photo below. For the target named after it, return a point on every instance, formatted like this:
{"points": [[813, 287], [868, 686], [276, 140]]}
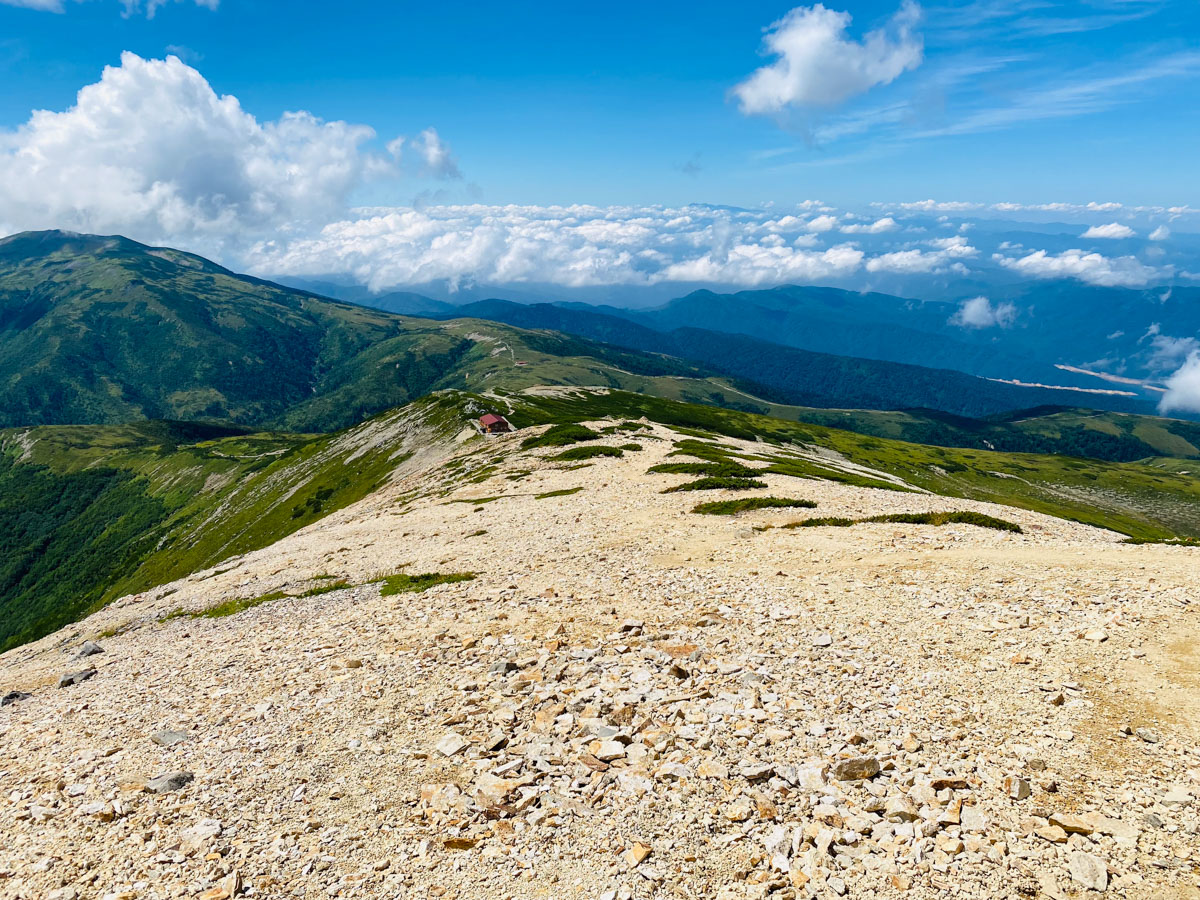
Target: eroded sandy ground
{"points": [[629, 700]]}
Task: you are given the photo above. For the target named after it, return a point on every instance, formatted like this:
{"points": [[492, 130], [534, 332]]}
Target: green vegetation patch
{"points": [[241, 604], [565, 492], [951, 518], [703, 450], [578, 453], [327, 588], [823, 521], [483, 475], [560, 436], [711, 468], [1166, 542], [632, 448], [717, 484], [938, 518], [733, 507], [235, 606], [414, 584]]}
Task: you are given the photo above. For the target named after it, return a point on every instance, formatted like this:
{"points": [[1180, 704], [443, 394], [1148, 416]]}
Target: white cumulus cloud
{"points": [[1111, 231], [879, 226], [750, 264], [573, 246], [979, 312], [1183, 388], [1093, 268], [823, 223], [152, 151], [435, 155], [946, 256], [1167, 351], [1161, 233], [819, 66]]}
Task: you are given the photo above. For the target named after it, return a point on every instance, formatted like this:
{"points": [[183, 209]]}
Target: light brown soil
{"points": [[723, 660]]}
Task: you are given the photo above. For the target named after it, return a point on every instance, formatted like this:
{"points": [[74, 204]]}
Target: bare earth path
{"points": [[629, 700]]}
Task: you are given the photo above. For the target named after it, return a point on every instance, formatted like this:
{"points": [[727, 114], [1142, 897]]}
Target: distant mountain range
{"points": [[104, 330], [1043, 332], [1054, 333], [794, 376]]}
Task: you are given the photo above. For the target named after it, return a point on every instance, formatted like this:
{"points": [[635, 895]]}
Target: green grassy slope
{"points": [[90, 513], [1112, 436], [103, 330], [106, 330]]}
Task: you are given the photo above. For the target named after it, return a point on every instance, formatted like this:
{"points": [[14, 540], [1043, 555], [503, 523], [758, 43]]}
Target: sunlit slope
{"points": [[1151, 500]]}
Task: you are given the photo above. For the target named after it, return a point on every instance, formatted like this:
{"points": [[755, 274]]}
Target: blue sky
{"points": [[627, 153], [920, 149], [1004, 100]]}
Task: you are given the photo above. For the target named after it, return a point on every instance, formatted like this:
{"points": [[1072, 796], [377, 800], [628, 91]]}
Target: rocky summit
{"points": [[508, 674]]}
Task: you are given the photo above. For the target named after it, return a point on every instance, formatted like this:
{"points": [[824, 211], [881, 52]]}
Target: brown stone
{"points": [[636, 853], [856, 769]]}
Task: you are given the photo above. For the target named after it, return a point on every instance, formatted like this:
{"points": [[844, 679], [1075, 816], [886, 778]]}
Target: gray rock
{"points": [[1016, 787], [808, 776], [1088, 870], [495, 740], [167, 738], [89, 648], [75, 678], [14, 697], [169, 781], [607, 751], [778, 840]]}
